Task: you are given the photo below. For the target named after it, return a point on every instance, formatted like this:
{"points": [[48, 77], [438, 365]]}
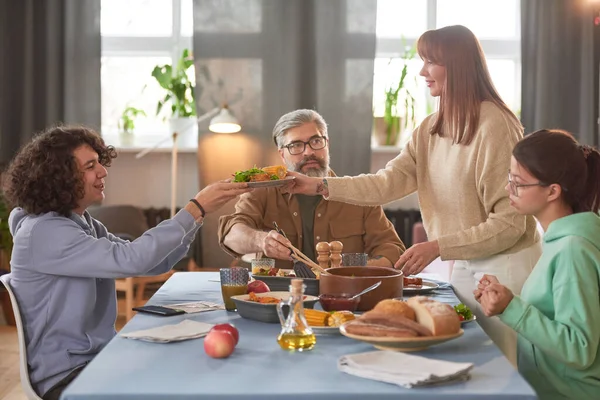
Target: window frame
{"points": [[503, 49], [149, 46], [135, 46]]}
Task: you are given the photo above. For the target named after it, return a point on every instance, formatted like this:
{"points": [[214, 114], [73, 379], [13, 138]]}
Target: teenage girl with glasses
{"points": [[557, 315]]}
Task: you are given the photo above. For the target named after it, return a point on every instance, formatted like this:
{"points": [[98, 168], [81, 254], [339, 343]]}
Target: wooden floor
{"points": [[10, 385]]}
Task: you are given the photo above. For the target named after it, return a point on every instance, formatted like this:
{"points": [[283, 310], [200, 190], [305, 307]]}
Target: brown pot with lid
{"points": [[346, 281]]}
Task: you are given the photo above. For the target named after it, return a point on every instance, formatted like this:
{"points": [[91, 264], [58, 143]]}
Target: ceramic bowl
{"points": [[266, 312], [340, 302], [352, 280]]}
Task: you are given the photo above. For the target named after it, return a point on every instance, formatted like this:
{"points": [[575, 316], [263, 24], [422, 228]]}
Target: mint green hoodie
{"points": [[557, 316]]}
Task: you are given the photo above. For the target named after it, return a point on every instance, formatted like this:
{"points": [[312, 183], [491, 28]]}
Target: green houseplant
{"points": [[5, 236], [127, 120], [399, 108], [6, 245], [175, 80], [177, 84]]}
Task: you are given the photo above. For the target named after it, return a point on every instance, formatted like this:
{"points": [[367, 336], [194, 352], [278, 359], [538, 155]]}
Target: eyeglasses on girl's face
{"points": [[514, 186]]}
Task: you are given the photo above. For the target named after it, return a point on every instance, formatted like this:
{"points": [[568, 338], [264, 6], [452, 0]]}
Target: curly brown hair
{"points": [[44, 175]]}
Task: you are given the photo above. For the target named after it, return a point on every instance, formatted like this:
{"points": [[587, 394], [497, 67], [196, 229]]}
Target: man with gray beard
{"points": [[301, 137]]}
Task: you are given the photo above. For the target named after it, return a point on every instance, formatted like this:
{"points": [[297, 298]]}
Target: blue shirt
{"points": [[62, 273]]}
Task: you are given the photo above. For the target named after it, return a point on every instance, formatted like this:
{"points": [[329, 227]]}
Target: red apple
{"points": [[219, 344], [258, 287], [228, 328]]}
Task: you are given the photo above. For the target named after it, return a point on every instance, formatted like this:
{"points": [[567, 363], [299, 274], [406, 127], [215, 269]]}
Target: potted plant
{"points": [[399, 110], [127, 120], [180, 92], [5, 236], [5, 252]]}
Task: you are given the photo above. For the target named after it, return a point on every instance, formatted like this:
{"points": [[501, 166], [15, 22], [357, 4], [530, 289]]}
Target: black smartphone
{"points": [[158, 310]]}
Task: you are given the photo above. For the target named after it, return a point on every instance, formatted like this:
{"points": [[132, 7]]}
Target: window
{"points": [[137, 35], [496, 23]]}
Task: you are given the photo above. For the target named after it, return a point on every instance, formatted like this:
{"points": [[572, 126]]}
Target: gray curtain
{"points": [[558, 72], [291, 54], [271, 57], [49, 67]]}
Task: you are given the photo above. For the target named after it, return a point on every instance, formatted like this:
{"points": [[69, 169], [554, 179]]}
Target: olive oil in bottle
{"points": [[295, 334]]}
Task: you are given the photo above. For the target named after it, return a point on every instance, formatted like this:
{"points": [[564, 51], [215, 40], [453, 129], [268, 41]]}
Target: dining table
{"points": [[131, 369]]}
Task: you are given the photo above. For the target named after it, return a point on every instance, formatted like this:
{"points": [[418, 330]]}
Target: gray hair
{"points": [[295, 119]]}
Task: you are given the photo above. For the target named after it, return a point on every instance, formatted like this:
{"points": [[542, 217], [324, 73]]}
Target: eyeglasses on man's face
{"points": [[514, 186], [298, 146]]}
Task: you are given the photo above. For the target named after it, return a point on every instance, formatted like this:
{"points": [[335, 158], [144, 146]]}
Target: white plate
{"points": [[401, 344], [466, 321], [275, 183], [326, 330], [426, 287]]}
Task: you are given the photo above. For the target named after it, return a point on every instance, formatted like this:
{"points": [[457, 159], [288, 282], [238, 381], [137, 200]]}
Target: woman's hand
{"points": [[276, 246], [495, 298], [417, 257], [306, 185], [484, 282], [215, 195]]}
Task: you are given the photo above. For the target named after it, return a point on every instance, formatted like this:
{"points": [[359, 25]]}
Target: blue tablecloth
{"points": [[259, 369]]}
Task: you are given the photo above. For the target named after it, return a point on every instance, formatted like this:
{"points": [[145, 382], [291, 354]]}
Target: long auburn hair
{"points": [[468, 81], [554, 156]]}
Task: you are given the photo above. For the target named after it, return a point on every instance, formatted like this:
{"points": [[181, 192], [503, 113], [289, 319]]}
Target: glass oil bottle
{"points": [[295, 334]]}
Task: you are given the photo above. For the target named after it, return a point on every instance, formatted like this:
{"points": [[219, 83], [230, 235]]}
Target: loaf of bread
{"points": [[362, 328], [374, 323], [439, 318], [396, 321], [395, 307]]}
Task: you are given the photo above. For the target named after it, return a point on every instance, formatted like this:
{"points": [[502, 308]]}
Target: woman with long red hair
{"points": [[456, 160]]}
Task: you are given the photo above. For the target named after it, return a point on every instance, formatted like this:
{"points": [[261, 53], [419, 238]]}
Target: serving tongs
{"points": [[304, 267]]}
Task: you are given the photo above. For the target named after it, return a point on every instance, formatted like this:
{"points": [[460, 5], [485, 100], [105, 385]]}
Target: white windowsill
{"points": [[386, 149], [137, 143]]}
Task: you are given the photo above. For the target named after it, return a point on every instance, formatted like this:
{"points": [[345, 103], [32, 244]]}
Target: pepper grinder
{"points": [[323, 254], [336, 253]]}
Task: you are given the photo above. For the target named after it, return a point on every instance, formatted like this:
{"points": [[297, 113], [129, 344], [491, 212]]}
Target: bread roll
{"points": [[395, 307], [439, 318]]}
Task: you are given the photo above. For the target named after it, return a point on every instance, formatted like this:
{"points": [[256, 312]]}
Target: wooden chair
{"points": [[128, 222], [134, 289]]}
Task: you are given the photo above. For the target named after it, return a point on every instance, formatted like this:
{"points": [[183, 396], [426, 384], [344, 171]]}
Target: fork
{"points": [[301, 269]]}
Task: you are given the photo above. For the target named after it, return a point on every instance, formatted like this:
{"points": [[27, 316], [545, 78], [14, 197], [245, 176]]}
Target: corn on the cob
{"points": [[279, 170], [339, 317], [316, 317]]}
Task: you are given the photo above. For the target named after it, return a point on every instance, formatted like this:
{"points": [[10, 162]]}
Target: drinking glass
{"points": [[259, 264], [234, 281]]}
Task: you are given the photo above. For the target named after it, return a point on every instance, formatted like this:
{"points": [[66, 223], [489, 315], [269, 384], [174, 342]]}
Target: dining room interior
{"points": [[111, 64]]}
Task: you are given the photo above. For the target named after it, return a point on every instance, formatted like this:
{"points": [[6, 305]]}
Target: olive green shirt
{"points": [[308, 205]]}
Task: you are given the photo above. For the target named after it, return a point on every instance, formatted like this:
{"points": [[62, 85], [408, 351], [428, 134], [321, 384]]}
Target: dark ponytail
{"points": [[591, 198], [554, 157]]}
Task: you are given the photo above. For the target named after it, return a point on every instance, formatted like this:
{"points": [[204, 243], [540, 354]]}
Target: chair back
{"points": [[23, 368], [121, 220]]}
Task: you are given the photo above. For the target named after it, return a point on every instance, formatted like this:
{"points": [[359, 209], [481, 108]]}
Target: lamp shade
{"points": [[224, 122]]}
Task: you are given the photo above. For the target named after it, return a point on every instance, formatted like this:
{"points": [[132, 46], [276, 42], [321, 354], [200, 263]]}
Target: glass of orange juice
{"points": [[234, 281]]}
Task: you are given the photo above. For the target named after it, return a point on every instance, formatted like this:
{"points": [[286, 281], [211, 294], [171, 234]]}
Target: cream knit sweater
{"points": [[461, 189]]}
